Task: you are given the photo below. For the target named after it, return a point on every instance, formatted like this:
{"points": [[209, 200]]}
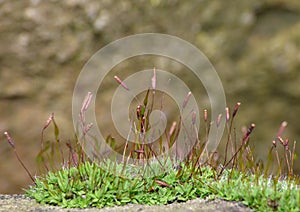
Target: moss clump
{"points": [[93, 185]]}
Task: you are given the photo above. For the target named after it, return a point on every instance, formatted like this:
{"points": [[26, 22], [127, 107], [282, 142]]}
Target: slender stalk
{"points": [[12, 144]]}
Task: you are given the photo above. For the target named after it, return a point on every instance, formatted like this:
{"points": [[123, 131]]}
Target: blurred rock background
{"points": [[254, 46]]}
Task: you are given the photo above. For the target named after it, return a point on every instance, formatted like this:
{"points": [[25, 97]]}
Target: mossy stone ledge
{"points": [[19, 202]]}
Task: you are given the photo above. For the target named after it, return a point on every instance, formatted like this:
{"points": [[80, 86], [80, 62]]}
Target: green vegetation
{"points": [[88, 185], [235, 174]]}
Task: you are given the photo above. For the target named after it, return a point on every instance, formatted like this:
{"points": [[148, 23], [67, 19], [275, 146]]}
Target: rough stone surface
{"points": [[254, 46], [21, 203]]}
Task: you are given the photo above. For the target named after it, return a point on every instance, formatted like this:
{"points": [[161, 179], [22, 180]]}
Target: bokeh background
{"points": [[254, 46]]}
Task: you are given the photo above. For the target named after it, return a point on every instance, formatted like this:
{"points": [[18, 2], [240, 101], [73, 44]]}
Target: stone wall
{"points": [[254, 46]]}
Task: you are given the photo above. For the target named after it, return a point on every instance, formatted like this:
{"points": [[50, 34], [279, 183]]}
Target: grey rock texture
{"points": [[21, 203], [254, 46]]}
